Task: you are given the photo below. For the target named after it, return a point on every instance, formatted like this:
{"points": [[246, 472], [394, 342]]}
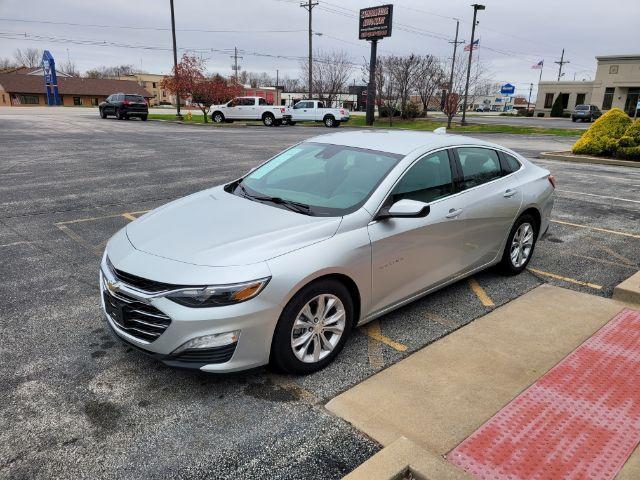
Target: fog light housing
{"points": [[209, 341]]}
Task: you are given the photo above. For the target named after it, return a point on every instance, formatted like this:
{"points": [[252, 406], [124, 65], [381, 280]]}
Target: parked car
{"points": [[124, 106], [585, 112], [280, 264], [483, 109], [315, 111], [250, 108]]}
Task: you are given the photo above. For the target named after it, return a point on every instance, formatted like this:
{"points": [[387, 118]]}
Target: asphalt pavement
{"points": [[77, 403]]}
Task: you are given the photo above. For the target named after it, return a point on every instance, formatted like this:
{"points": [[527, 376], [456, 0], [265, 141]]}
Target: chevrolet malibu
{"points": [[281, 264]]}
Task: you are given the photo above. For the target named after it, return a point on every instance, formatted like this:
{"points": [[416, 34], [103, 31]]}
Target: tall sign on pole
{"points": [[50, 79], [375, 24]]}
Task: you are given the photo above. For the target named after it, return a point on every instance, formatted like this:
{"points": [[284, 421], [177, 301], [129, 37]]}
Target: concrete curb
{"points": [[210, 125], [629, 290], [570, 157], [402, 456]]}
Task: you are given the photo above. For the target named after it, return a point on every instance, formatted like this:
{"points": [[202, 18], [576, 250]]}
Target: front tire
{"points": [[121, 115], [103, 114], [520, 245], [291, 122], [144, 118], [217, 117], [313, 327]]}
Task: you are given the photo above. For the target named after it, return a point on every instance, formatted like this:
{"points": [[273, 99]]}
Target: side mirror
{"points": [[405, 208]]}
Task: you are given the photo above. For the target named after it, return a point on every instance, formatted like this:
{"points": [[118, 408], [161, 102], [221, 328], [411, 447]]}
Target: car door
{"points": [[306, 111], [410, 255], [490, 199]]}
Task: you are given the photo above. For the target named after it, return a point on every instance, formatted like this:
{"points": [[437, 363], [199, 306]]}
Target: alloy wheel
{"points": [[318, 328], [521, 245]]}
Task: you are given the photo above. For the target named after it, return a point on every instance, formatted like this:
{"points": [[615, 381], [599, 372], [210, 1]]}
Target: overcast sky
{"points": [[514, 34]]}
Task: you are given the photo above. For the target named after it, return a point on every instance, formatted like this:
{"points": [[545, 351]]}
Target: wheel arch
{"points": [[217, 111], [535, 213]]}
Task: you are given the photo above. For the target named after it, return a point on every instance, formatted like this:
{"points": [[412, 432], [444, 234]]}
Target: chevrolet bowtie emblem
{"points": [[112, 286]]}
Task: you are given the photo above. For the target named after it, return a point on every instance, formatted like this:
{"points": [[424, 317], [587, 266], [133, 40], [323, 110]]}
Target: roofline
{"points": [[619, 57]]}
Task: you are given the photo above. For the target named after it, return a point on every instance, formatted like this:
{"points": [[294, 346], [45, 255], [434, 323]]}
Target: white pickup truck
{"points": [[315, 111], [250, 108]]}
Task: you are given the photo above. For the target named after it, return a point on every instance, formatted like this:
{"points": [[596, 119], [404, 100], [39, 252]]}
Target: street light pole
{"points": [[476, 7], [175, 59], [529, 101]]}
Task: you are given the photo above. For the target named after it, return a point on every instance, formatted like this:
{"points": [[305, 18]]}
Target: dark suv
{"points": [[124, 106], [585, 112]]}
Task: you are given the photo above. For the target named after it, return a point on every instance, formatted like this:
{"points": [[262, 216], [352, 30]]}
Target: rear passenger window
{"points": [[512, 165], [479, 165], [427, 180], [262, 101]]}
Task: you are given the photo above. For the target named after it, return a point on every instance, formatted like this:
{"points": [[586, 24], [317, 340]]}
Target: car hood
{"points": [[216, 228]]}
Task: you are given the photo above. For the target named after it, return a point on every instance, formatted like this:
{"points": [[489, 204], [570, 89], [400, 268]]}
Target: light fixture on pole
{"points": [[476, 7]]}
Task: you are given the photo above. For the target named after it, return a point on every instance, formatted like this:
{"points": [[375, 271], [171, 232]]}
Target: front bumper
{"points": [[255, 319]]}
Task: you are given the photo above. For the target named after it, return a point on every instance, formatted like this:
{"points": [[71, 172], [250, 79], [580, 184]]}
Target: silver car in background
{"points": [[280, 265]]}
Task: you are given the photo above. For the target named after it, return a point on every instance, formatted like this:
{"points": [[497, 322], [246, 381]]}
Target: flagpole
{"points": [[540, 77]]}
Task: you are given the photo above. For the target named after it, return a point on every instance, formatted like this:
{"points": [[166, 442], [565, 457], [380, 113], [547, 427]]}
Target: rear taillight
{"points": [[282, 110], [126, 102], [552, 180], [341, 111]]}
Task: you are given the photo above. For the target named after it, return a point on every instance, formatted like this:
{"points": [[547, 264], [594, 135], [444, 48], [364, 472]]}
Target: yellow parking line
{"points": [[373, 330], [77, 238], [598, 229], [565, 279], [129, 217], [80, 220], [480, 293]]}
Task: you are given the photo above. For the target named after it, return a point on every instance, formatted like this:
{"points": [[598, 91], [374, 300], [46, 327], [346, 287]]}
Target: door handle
{"points": [[453, 213], [509, 193]]}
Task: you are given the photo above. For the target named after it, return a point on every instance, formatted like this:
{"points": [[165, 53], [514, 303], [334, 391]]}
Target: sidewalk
{"points": [[427, 404]]}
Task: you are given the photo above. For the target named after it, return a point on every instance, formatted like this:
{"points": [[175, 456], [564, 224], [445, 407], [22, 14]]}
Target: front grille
{"points": [[138, 319], [206, 355], [142, 283]]}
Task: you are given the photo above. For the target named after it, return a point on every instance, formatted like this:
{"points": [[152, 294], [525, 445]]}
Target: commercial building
{"points": [[20, 89], [616, 85], [151, 83]]}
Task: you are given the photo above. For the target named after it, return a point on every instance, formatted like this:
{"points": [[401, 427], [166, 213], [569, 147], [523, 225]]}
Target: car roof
{"points": [[400, 142]]}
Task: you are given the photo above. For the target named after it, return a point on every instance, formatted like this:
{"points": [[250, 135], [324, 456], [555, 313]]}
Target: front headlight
{"points": [[218, 295]]}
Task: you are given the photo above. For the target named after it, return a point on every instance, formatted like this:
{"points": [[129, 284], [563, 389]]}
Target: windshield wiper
{"points": [[290, 204]]}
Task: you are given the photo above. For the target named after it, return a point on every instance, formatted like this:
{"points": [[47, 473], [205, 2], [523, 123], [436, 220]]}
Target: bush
{"points": [[627, 141], [628, 153], [556, 109], [633, 131], [540, 114], [603, 136], [383, 111], [566, 115], [412, 110]]}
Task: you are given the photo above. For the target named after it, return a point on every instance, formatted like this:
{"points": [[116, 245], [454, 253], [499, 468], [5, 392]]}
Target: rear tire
{"points": [[291, 122], [144, 118], [268, 120], [329, 121], [277, 123], [320, 332], [520, 245], [120, 115]]}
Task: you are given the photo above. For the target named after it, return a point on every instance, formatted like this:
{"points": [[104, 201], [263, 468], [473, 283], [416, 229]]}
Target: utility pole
{"points": [[476, 7], [277, 77], [309, 7], [175, 58], [561, 62], [235, 66], [529, 101], [453, 66]]}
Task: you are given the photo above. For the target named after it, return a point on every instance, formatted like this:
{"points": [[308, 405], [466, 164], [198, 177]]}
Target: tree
{"points": [[477, 80], [29, 57], [70, 68], [430, 78], [556, 109], [188, 80], [7, 64], [404, 71], [112, 72], [331, 72]]}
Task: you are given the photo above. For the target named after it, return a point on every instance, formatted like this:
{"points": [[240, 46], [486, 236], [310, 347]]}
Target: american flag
{"points": [[472, 46], [538, 66]]}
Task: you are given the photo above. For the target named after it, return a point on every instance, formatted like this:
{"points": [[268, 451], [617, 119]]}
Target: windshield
{"points": [[332, 180], [582, 107], [134, 98]]}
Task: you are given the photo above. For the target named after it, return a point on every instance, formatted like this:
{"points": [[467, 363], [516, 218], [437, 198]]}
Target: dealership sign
{"points": [[375, 22]]}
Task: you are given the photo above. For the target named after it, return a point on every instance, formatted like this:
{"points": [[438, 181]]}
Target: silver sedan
{"points": [[281, 264]]}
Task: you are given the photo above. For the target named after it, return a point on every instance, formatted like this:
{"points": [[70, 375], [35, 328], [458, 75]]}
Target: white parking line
{"points": [[599, 196]]}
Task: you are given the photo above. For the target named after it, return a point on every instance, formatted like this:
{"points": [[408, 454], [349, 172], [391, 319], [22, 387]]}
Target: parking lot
{"points": [[77, 403]]}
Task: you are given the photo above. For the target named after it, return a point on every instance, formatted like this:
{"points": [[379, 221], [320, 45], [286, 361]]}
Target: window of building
{"points": [[565, 100], [3, 100], [613, 69], [94, 101], [164, 94], [479, 165], [580, 98], [77, 101], [154, 84], [548, 100], [608, 98], [427, 180], [29, 99]]}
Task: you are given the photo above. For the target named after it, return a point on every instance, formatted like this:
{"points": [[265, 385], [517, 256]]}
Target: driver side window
{"points": [[426, 180]]}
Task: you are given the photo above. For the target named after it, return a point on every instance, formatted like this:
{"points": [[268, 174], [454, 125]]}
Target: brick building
{"points": [[24, 89]]}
